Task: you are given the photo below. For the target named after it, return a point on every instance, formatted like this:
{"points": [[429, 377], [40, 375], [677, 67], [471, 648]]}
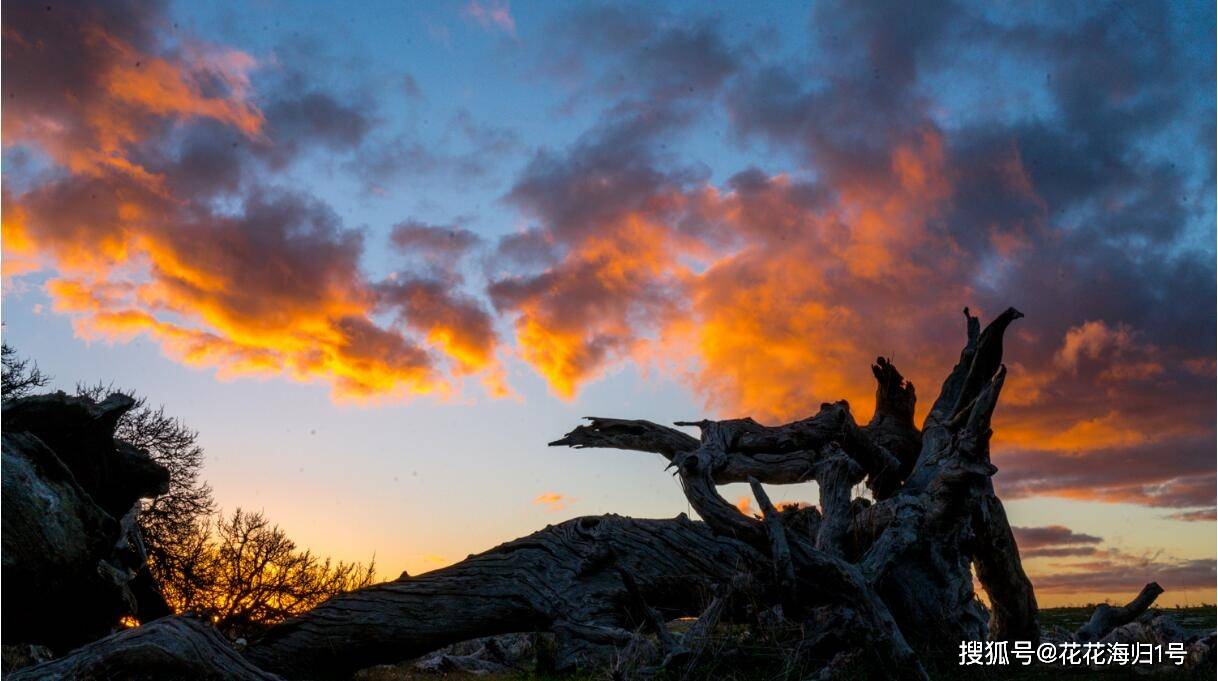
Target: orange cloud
{"points": [[1102, 431], [1090, 340], [125, 91], [750, 310], [744, 505], [580, 317], [1116, 346], [166, 88], [270, 285], [553, 501], [1106, 359]]}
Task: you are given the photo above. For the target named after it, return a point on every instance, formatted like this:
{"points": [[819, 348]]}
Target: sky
{"points": [[379, 254]]}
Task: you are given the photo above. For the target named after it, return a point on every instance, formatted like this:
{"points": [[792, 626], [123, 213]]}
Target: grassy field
{"points": [[1202, 618]]}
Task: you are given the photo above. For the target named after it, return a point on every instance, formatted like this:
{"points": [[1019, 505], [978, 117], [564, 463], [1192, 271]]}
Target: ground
{"points": [[1202, 618]]}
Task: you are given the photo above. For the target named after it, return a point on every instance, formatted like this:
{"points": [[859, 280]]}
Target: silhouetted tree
{"points": [[248, 575], [242, 571], [20, 376]]}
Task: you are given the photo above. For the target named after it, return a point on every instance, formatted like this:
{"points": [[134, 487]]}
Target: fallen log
{"points": [[169, 648], [1106, 617], [563, 579]]}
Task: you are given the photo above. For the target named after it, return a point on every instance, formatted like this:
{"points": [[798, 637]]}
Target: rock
{"points": [[81, 432], [59, 588], [70, 497]]}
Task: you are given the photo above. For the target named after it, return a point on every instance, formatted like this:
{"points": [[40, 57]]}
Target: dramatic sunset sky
{"points": [[380, 253]]}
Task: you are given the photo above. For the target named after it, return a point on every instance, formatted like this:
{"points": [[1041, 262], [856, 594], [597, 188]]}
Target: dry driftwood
{"points": [[566, 579], [169, 648], [1106, 618], [1136, 622]]}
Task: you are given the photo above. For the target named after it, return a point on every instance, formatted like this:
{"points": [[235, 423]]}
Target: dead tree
{"points": [[870, 588], [887, 580]]}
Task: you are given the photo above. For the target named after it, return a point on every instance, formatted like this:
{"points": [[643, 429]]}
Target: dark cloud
{"points": [[1051, 535], [856, 96], [468, 152], [1079, 564], [456, 323], [315, 118], [604, 207], [1173, 473], [210, 160], [529, 248], [382, 165], [1059, 552], [643, 54], [610, 171], [410, 88], [487, 140], [1205, 515], [86, 84], [446, 241], [1121, 576], [1054, 541]]}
